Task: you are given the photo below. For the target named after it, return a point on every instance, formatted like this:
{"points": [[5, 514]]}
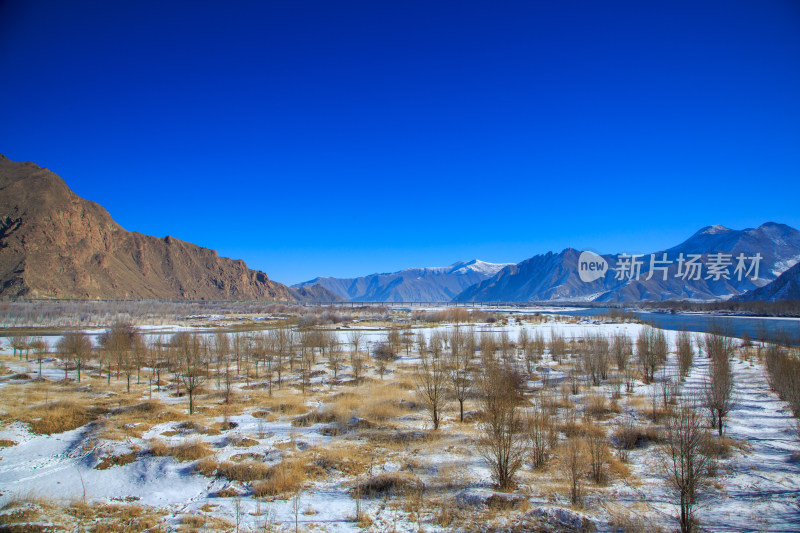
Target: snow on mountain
{"points": [[549, 277], [785, 287], [431, 284]]}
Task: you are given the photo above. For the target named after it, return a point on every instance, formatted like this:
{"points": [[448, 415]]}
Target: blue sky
{"points": [[344, 138]]}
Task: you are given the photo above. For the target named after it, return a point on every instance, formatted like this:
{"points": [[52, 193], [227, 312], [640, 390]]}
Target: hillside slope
{"points": [[55, 244]]}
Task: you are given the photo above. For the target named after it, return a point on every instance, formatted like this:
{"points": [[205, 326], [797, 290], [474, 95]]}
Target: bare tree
{"points": [[118, 342], [40, 349], [431, 381], [540, 435], [355, 339], [523, 341], [383, 353], [621, 350], [557, 345], [684, 463], [75, 346], [573, 465], [192, 364], [783, 372], [718, 387], [595, 358], [462, 351], [651, 350], [503, 439], [334, 349], [597, 446], [685, 351]]}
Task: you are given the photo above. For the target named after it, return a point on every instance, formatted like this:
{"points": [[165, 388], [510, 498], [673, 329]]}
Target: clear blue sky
{"points": [[344, 138]]}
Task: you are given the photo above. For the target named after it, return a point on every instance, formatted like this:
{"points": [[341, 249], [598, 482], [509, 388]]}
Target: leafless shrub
{"points": [[684, 464], [597, 446], [573, 466], [621, 350], [783, 372], [685, 352], [431, 381], [718, 385], [540, 430], [502, 440]]}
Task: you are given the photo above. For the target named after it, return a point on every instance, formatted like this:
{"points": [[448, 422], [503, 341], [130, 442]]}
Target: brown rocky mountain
{"points": [[315, 293], [55, 244]]}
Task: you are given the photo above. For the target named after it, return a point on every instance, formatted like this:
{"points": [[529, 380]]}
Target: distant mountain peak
{"points": [[716, 229]]}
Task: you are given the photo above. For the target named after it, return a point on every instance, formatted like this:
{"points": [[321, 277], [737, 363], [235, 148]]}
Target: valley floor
{"points": [[325, 453]]}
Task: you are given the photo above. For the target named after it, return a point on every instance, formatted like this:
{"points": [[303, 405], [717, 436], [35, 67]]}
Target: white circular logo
{"points": [[591, 266]]}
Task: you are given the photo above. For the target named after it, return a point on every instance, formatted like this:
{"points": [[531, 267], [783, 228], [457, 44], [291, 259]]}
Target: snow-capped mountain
{"points": [[785, 287], [432, 284], [556, 277]]}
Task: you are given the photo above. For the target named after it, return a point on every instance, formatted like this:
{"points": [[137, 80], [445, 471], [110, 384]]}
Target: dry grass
{"points": [[242, 442], [344, 459], [373, 401], [190, 450], [227, 492], [246, 471], [618, 469], [636, 436], [6, 443], [721, 447], [189, 426], [285, 477], [284, 404], [100, 517], [199, 522], [116, 460], [325, 416], [598, 407], [59, 416], [389, 483]]}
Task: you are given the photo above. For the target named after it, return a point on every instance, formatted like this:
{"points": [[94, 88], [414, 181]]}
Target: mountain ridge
{"points": [[55, 244], [554, 276], [422, 284]]}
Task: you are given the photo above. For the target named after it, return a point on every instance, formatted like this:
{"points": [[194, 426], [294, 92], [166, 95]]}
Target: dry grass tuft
{"points": [[189, 426], [721, 447], [246, 471], [207, 467], [315, 417], [496, 502], [59, 417], [598, 407], [191, 450], [227, 492], [348, 460], [6, 443], [287, 476], [390, 483], [116, 460], [636, 436], [242, 442]]}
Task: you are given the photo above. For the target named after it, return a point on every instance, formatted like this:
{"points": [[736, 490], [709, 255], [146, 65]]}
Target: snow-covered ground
{"points": [[756, 488]]}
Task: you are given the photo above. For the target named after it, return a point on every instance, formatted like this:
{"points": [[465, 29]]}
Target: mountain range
{"points": [[555, 277], [55, 244], [431, 284]]}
